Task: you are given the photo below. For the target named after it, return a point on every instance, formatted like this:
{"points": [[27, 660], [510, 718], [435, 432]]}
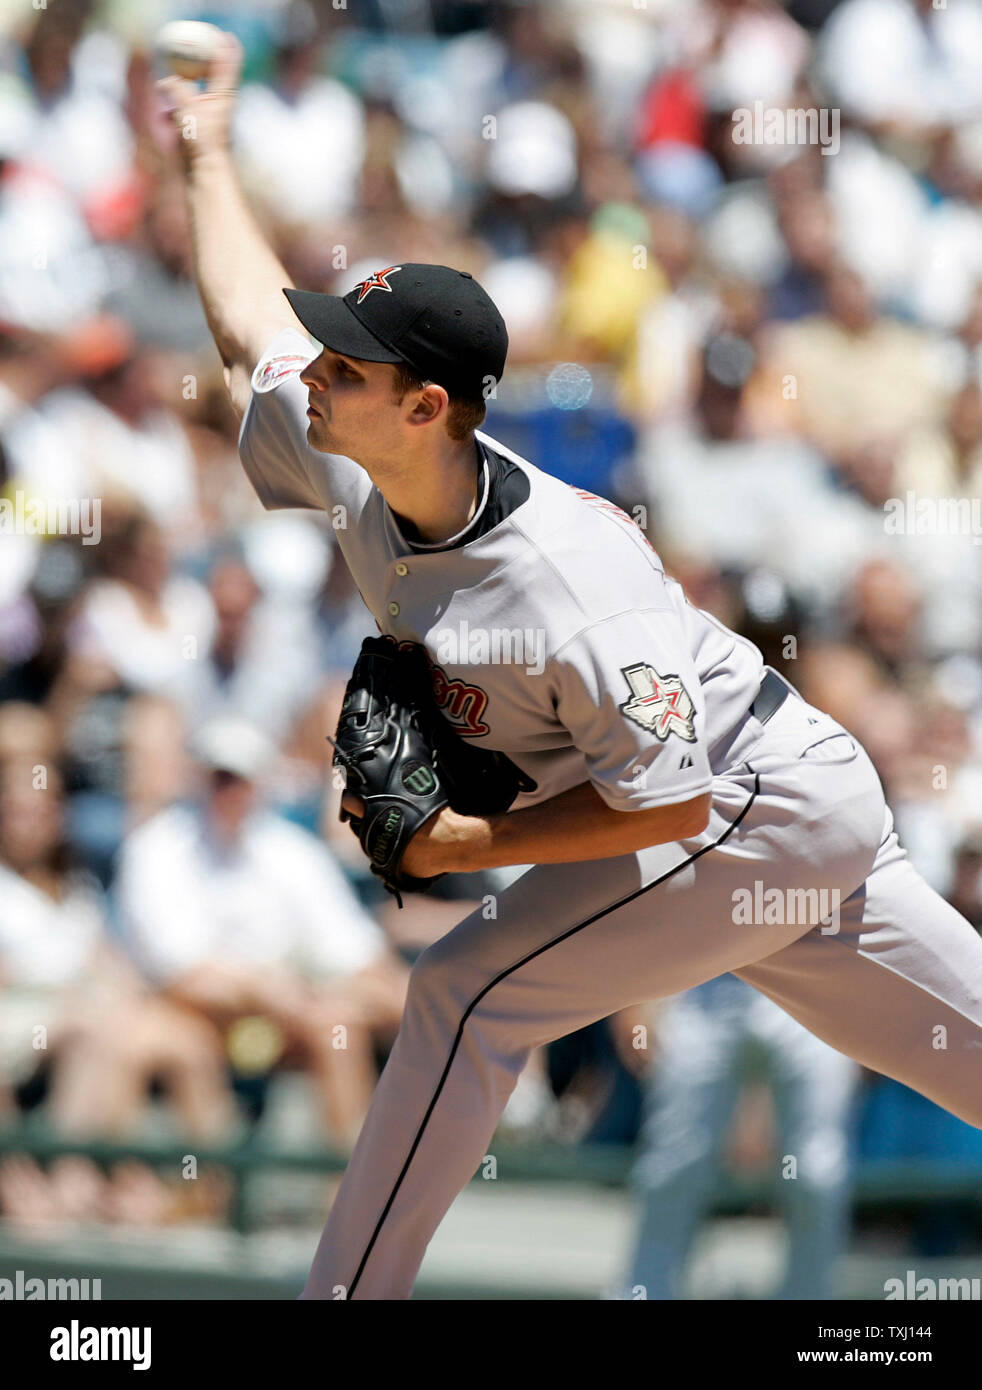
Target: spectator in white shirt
{"points": [[236, 677], [904, 66], [301, 137], [235, 913], [149, 624], [74, 1015], [114, 435], [71, 102]]}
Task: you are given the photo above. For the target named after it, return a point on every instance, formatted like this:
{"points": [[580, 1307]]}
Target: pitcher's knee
{"points": [[436, 978], [448, 992]]}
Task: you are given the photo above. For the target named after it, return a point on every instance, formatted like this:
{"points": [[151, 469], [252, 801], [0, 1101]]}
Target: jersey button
{"points": [[402, 569], [394, 610]]}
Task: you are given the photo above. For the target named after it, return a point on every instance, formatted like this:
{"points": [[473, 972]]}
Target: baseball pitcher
{"points": [[686, 811]]}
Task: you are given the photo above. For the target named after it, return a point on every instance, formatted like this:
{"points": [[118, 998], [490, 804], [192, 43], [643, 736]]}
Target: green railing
{"points": [[915, 1183]]}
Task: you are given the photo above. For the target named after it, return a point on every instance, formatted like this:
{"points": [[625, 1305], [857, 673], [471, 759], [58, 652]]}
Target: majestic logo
{"points": [[376, 282], [660, 704]]}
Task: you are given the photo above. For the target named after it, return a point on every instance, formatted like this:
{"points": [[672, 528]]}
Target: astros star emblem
{"points": [[377, 281], [660, 704]]}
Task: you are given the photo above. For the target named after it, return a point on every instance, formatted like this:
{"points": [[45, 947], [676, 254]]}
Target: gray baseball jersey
{"points": [[555, 636]]}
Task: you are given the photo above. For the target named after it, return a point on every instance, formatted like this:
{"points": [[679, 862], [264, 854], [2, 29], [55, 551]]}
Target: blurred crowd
{"points": [[765, 351]]}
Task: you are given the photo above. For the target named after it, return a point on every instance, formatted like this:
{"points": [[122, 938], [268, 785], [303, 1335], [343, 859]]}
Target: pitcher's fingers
{"points": [[176, 92], [224, 73]]}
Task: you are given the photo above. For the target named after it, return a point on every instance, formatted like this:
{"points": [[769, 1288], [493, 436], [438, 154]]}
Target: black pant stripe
{"points": [[503, 975]]}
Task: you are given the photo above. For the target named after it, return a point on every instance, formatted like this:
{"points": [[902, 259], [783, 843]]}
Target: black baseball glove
{"points": [[404, 761]]}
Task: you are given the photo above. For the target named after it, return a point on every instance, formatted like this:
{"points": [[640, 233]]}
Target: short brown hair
{"points": [[464, 413]]}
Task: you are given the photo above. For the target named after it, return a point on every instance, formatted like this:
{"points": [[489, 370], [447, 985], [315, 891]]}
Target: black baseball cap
{"points": [[437, 320]]}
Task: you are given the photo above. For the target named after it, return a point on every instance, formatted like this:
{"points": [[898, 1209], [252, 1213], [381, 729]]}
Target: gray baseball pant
{"points": [[894, 980]]}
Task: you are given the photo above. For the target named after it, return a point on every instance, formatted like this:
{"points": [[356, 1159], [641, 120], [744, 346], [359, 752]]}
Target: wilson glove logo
{"points": [[384, 836], [418, 778]]}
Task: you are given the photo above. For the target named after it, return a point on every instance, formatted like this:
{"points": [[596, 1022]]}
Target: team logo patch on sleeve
{"points": [[660, 704], [272, 370]]}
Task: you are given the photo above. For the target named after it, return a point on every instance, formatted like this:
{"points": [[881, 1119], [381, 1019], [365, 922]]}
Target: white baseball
{"points": [[187, 47]]}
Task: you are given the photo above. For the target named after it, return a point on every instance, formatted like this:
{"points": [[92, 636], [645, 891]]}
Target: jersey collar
{"points": [[452, 541]]}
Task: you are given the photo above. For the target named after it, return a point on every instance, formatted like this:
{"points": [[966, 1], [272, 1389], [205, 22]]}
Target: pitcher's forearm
{"points": [[240, 278], [579, 825], [572, 827]]}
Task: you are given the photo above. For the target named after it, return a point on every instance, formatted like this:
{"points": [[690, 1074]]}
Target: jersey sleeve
{"points": [[278, 461], [627, 692]]}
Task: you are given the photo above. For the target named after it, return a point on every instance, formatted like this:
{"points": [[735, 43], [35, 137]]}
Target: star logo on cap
{"points": [[376, 282]]}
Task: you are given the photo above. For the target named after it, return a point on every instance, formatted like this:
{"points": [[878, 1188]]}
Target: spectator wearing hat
{"points": [[237, 915]]}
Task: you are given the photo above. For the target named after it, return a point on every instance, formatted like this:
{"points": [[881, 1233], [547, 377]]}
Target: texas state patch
{"points": [[659, 704], [272, 370]]}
